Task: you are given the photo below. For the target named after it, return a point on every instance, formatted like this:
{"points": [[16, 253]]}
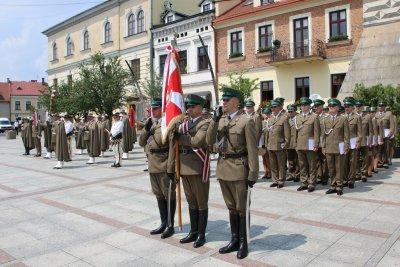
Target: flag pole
{"points": [[178, 165]]}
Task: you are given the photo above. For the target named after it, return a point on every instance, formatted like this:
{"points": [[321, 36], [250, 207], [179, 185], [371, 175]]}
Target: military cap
{"points": [[291, 108], [275, 104], [348, 102], [359, 103], [373, 109], [349, 98], [280, 100], [249, 103], [266, 110], [193, 100], [382, 103], [230, 92], [305, 101], [155, 102], [318, 102], [334, 102]]}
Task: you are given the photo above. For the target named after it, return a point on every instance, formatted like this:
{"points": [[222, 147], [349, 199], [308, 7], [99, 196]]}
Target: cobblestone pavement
{"points": [[96, 215]]}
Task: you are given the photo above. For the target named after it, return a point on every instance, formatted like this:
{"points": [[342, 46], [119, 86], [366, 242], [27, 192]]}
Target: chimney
{"points": [[43, 81], [8, 80], [33, 81]]}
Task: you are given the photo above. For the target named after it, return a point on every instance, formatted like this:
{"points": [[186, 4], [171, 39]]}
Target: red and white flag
{"points": [[173, 105]]}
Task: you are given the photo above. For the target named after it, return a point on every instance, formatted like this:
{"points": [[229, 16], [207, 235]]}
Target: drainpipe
{"points": [[151, 44]]}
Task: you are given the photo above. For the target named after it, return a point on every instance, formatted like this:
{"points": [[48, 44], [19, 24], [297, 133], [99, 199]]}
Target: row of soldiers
{"points": [[92, 133], [311, 146]]}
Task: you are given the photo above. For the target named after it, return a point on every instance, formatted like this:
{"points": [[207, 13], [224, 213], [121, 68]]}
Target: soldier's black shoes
{"points": [[311, 189], [364, 179], [280, 185], [339, 192], [38, 155], [351, 186], [296, 180], [194, 219], [116, 165], [273, 185], [243, 250], [301, 188], [331, 191], [266, 177], [162, 207], [169, 231], [234, 243], [324, 183], [201, 237]]}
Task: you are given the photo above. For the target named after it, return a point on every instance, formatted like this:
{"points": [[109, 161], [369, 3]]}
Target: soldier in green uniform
{"points": [[27, 135], [251, 113], [47, 132], [79, 127], [322, 166], [308, 129], [387, 123], [293, 161], [195, 166], [92, 126], [277, 140], [37, 136], [355, 130], [335, 144], [375, 141], [161, 168], [61, 144], [237, 166]]}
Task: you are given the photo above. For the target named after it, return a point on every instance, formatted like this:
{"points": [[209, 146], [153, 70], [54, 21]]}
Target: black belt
{"points": [[233, 155], [186, 150], [159, 150]]}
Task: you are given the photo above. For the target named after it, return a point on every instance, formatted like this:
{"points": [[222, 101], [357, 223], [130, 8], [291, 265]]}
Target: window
{"points": [[170, 18], [264, 36], [55, 52], [264, 2], [183, 61], [70, 47], [207, 7], [202, 62], [107, 32], [336, 83], [337, 23], [267, 91], [131, 25], [86, 40], [69, 79], [17, 105], [302, 87], [135, 65], [140, 21], [301, 37], [163, 58], [28, 105], [236, 43]]}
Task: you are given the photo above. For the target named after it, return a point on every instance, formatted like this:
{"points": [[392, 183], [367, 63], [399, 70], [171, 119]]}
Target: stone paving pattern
{"points": [[99, 216]]}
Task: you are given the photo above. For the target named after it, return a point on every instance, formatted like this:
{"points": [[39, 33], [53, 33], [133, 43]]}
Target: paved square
{"points": [[99, 216]]}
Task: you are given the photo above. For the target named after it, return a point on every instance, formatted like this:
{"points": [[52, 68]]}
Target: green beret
{"points": [[382, 103], [275, 104], [280, 100], [305, 101], [230, 92], [193, 100], [359, 103], [266, 110], [334, 102], [318, 102], [291, 107], [249, 103], [155, 103]]}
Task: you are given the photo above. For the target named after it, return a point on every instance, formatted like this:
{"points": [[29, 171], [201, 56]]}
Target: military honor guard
{"points": [[47, 132], [27, 135], [161, 168], [195, 168], [80, 143], [376, 141], [262, 146], [69, 130], [387, 124], [277, 140], [116, 138], [93, 148], [293, 162], [335, 144], [308, 129], [61, 144], [237, 166], [37, 136], [104, 130], [127, 136], [322, 166]]}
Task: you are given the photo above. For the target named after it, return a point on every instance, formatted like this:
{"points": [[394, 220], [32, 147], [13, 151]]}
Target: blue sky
{"points": [[23, 47]]}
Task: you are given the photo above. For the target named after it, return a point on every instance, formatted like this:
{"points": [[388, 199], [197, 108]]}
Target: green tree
{"points": [[238, 81]]}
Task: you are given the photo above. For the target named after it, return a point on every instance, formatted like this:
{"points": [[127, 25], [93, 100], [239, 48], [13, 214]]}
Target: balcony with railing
{"points": [[305, 51]]}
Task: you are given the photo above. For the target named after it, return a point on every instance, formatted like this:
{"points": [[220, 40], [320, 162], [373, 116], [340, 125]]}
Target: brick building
{"points": [[294, 47]]}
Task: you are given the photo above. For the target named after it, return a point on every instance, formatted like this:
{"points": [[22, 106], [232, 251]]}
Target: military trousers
{"points": [[351, 166], [385, 151], [278, 160], [235, 195], [308, 167], [38, 145], [293, 164], [196, 191], [365, 160], [322, 168], [267, 165], [160, 186], [335, 163]]}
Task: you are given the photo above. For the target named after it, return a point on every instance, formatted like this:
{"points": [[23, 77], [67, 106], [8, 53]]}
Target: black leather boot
{"points": [[162, 207], [234, 243], [169, 231], [194, 219], [201, 237], [243, 248]]}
